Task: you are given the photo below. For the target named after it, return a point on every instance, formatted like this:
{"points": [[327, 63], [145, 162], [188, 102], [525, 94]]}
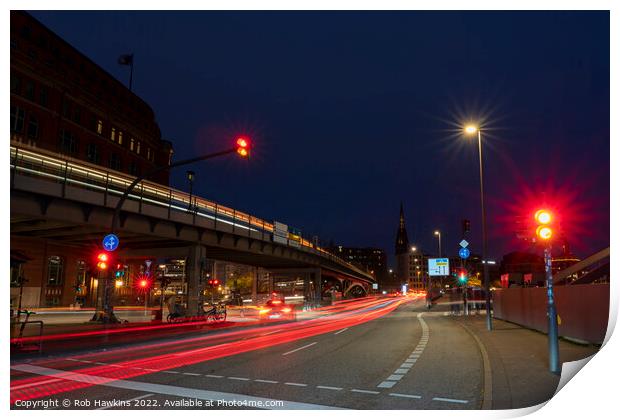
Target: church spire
{"points": [[402, 242]]}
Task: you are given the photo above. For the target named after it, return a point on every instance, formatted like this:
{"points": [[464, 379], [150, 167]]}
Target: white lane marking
{"points": [[33, 385], [405, 396], [208, 375], [342, 330], [404, 368], [450, 400], [176, 391], [266, 381], [272, 332], [301, 348], [294, 384], [170, 371], [74, 360], [100, 363], [364, 391], [333, 388], [236, 378], [133, 399], [191, 374]]}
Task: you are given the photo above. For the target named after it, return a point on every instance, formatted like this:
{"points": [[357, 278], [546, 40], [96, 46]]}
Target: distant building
{"points": [[402, 250], [373, 260]]}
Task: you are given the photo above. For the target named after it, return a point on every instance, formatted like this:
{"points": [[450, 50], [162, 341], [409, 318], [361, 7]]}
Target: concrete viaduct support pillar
{"points": [[195, 283]]}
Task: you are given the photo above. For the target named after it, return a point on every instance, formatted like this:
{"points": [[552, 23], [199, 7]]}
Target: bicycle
{"points": [[216, 313]]}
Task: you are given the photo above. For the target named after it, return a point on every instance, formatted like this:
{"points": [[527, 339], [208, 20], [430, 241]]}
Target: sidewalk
{"points": [[518, 359]]}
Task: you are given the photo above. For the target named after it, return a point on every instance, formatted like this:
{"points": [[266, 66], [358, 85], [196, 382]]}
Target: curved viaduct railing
{"points": [[77, 173]]}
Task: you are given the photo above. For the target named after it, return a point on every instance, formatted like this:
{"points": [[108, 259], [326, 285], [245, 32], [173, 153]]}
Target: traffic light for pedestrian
{"points": [[120, 271], [544, 229], [243, 147]]}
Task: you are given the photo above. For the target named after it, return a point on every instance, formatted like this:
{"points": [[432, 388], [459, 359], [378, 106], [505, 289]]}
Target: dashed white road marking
{"points": [[133, 399], [271, 332], [404, 368], [208, 375], [405, 396], [364, 391], [300, 348], [170, 371], [342, 330], [294, 384], [191, 374], [266, 381], [333, 388], [177, 391], [236, 378], [450, 400]]}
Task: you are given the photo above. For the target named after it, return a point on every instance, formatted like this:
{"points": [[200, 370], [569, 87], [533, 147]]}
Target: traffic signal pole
{"points": [[554, 351], [104, 313]]}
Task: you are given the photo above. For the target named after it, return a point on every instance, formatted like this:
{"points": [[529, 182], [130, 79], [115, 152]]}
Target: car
{"points": [[276, 309]]}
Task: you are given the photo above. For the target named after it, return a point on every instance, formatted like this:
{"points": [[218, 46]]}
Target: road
{"points": [[367, 354]]}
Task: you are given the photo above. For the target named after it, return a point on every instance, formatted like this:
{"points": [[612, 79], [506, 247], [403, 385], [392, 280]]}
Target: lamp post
{"points": [[438, 234], [473, 130], [190, 178]]}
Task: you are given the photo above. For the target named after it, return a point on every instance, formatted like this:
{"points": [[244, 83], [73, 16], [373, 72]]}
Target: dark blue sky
{"points": [[352, 112]]}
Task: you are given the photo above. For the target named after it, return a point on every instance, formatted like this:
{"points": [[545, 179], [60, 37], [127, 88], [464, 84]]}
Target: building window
{"points": [[93, 154], [68, 143], [77, 117], [65, 109], [120, 137], [113, 134], [148, 153], [17, 119], [54, 271], [33, 127], [29, 90], [170, 158], [131, 142], [133, 168], [99, 126], [115, 162], [43, 96], [138, 148], [16, 84]]}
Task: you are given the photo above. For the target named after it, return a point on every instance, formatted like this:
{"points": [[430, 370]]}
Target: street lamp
{"points": [[470, 130], [414, 249], [190, 177], [438, 234]]}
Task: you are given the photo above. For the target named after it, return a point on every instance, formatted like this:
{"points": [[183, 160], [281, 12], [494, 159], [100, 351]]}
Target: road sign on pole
{"points": [[110, 242], [464, 253], [463, 243]]}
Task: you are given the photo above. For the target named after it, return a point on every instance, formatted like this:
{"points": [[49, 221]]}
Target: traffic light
{"points": [[462, 276], [214, 282], [103, 259], [466, 225], [243, 147], [143, 282], [544, 229], [120, 271]]}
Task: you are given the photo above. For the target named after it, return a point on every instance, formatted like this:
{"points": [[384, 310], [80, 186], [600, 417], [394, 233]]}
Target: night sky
{"points": [[353, 112]]}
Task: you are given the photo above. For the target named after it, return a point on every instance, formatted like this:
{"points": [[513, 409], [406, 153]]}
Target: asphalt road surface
{"points": [[367, 354]]}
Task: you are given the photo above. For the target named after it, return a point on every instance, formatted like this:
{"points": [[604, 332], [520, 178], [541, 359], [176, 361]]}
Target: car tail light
{"points": [[287, 310], [264, 311]]}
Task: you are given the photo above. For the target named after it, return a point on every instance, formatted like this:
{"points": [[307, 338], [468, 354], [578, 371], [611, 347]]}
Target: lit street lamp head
{"points": [[471, 129], [436, 233]]}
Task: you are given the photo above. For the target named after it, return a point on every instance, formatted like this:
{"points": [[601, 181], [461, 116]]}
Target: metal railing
{"points": [[77, 173]]}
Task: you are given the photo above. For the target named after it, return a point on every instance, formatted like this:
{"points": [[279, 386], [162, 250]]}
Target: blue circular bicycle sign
{"points": [[464, 253], [110, 242]]}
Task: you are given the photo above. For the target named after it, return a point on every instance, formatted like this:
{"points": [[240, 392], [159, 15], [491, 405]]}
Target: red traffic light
{"points": [[102, 260], [243, 147], [143, 283], [543, 218]]}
